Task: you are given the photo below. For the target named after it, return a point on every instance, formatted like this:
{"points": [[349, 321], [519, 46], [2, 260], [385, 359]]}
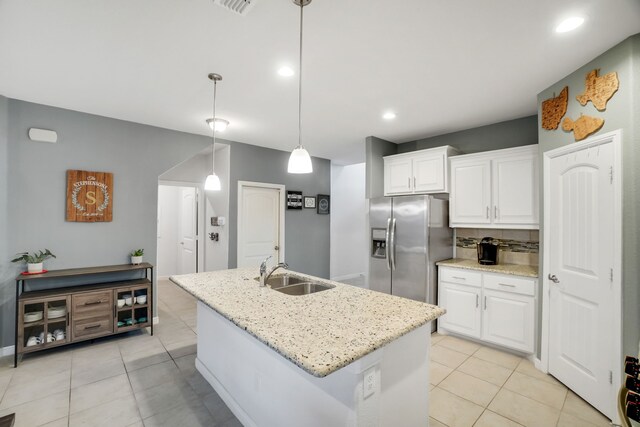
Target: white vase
{"points": [[34, 268], [136, 260]]}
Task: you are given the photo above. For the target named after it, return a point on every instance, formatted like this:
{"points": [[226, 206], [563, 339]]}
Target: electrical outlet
{"points": [[369, 382]]}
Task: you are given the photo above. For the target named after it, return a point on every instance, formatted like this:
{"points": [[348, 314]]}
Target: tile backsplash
{"points": [[516, 246]]}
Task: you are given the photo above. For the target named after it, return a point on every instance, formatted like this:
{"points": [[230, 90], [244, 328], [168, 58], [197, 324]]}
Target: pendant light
{"points": [[212, 182], [300, 161]]}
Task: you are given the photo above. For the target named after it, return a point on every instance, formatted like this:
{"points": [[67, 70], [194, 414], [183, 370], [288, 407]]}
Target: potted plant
{"points": [[35, 260], [136, 256]]}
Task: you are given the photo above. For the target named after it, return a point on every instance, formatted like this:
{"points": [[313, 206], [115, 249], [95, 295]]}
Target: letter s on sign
{"points": [[91, 198]]}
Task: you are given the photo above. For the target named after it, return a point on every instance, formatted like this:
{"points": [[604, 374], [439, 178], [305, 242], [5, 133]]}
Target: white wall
{"points": [[349, 213], [168, 208], [217, 204]]}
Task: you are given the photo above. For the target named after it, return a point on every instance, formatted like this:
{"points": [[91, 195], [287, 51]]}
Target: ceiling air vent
{"points": [[241, 7]]}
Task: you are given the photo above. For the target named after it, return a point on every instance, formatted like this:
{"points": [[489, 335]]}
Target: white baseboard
{"points": [[163, 277], [7, 351], [538, 364], [156, 320]]}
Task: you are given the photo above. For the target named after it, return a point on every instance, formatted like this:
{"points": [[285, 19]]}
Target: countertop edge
{"points": [[508, 269]]}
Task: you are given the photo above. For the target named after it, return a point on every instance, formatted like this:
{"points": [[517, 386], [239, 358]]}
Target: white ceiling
{"points": [[441, 65]]}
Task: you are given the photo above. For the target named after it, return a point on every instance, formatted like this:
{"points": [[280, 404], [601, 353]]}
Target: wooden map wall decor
{"points": [[89, 196], [599, 89], [583, 127], [554, 109]]}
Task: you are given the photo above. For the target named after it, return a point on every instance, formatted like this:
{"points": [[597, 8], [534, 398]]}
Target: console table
{"points": [[55, 317]]}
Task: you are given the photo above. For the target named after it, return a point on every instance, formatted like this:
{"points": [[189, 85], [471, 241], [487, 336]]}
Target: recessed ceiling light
{"points": [[569, 24], [221, 124], [389, 115], [285, 71]]}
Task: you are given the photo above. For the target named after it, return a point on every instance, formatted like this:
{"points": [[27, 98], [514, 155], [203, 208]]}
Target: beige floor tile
{"points": [[100, 392], [452, 410], [199, 384], [447, 357], [89, 374], [137, 343], [459, 345], [62, 422], [217, 408], [542, 391], [20, 392], [436, 338], [120, 412], [435, 423], [568, 420], [40, 411], [164, 397], [576, 406], [38, 366], [523, 410], [153, 375], [476, 390], [527, 368], [5, 379], [95, 354], [438, 372], [192, 414], [182, 348], [491, 419], [498, 357], [485, 371], [145, 357], [186, 364]]}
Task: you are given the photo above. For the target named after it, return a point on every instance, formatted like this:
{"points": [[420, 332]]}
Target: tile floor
{"points": [[139, 380]]}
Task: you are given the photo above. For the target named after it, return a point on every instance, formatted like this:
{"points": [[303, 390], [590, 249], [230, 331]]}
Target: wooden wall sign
{"points": [[554, 109], [599, 89], [583, 127], [89, 196]]}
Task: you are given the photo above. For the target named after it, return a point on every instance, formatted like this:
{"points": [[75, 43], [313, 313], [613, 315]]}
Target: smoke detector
{"points": [[241, 7]]}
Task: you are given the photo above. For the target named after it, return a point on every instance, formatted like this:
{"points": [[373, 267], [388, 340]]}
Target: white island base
{"points": [[262, 388]]}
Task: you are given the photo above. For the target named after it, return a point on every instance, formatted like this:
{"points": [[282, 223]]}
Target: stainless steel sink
{"points": [[304, 288], [291, 285], [275, 282]]}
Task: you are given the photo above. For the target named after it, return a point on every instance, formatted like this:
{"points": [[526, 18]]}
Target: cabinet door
{"points": [[463, 309], [397, 176], [508, 320], [470, 192], [515, 190], [428, 173]]}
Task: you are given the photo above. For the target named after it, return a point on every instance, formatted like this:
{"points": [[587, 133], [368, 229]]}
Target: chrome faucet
{"points": [[264, 275]]}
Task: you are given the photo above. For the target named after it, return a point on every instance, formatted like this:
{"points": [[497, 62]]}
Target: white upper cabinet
{"points": [[418, 172], [495, 189]]}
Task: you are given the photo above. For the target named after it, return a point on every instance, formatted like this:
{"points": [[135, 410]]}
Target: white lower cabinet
{"points": [[499, 309]]}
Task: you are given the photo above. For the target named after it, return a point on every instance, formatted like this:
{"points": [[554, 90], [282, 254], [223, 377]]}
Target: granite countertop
{"points": [[472, 264], [320, 332]]}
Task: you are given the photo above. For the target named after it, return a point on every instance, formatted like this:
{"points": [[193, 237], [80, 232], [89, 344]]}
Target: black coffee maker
{"points": [[487, 251]]}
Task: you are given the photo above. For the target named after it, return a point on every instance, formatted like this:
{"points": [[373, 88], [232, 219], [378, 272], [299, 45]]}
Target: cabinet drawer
{"points": [[92, 304], [94, 326], [513, 284], [460, 276]]}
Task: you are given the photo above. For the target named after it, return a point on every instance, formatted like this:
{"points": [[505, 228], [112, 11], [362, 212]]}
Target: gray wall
{"points": [[375, 150], [307, 234], [512, 133], [136, 154], [623, 112]]}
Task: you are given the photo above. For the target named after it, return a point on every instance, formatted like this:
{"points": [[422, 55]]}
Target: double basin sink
{"points": [[291, 285]]}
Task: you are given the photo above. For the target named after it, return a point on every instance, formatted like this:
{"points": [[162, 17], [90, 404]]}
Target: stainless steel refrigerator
{"points": [[409, 234]]}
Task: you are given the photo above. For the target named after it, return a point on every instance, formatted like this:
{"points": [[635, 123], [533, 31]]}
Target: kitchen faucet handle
{"points": [[263, 266]]}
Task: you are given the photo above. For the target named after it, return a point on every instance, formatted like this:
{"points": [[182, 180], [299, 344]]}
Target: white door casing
{"points": [[261, 210], [187, 239], [582, 259]]}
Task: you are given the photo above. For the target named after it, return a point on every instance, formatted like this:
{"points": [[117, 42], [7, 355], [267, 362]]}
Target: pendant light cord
{"points": [[213, 147], [300, 80]]}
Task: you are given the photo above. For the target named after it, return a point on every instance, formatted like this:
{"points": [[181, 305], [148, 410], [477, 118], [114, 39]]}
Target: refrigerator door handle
{"points": [[387, 241], [393, 244]]}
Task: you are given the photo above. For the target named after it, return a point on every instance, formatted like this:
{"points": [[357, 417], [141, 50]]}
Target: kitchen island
{"points": [[341, 357]]}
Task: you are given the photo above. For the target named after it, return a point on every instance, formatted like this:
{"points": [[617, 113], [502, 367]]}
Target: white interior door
{"points": [[581, 222], [260, 218], [187, 241]]}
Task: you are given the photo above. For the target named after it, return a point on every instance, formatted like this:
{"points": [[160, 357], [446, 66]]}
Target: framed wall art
{"points": [[294, 200], [309, 202], [89, 196], [324, 205]]}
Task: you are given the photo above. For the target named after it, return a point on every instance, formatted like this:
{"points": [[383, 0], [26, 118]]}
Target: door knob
{"points": [[277, 248], [553, 278]]}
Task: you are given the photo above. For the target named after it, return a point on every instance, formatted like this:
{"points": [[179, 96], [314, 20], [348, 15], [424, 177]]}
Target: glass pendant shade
{"points": [[212, 183], [300, 161]]}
